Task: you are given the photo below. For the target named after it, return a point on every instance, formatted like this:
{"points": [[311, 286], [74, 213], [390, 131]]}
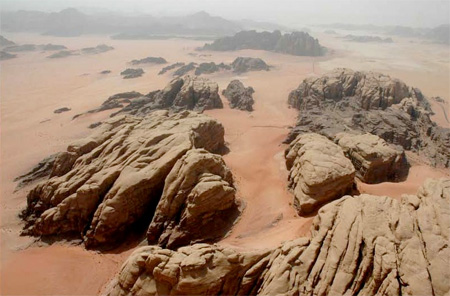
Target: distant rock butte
{"points": [[239, 96], [367, 102], [149, 60], [132, 73], [362, 245], [106, 184], [239, 65], [296, 43]]}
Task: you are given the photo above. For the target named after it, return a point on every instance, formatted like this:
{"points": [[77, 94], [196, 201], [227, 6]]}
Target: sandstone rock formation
{"points": [[6, 55], [345, 100], [318, 172], [247, 64], [239, 96], [374, 160], [149, 60], [296, 43], [41, 170], [61, 110], [132, 73], [183, 70], [104, 185], [198, 202], [97, 49], [365, 39], [362, 245], [170, 67]]}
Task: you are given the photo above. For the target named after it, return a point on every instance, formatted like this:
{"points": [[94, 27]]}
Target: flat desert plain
{"points": [[33, 86]]}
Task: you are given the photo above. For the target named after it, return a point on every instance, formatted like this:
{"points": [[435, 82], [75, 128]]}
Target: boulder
{"points": [[198, 202], [375, 160], [105, 184], [239, 96], [319, 172]]}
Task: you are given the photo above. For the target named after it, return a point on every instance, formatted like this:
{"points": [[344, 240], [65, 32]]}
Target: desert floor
{"points": [[32, 86]]}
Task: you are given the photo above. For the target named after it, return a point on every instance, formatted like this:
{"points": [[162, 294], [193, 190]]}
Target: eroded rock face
{"points": [[319, 172], [198, 203], [345, 100], [239, 96], [247, 64], [106, 183], [362, 245], [374, 160]]}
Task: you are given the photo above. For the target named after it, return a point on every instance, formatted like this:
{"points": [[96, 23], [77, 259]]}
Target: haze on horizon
{"points": [[413, 13]]}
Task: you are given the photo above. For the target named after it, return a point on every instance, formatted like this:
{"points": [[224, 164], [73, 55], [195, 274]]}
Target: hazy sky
{"points": [[417, 13]]}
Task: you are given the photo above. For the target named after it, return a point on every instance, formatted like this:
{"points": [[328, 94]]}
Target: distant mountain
{"points": [[439, 34], [72, 22]]}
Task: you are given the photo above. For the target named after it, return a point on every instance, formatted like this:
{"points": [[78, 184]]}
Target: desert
{"points": [[312, 166]]}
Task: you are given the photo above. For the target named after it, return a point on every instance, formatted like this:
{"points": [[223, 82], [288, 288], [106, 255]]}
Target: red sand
{"points": [[33, 86]]}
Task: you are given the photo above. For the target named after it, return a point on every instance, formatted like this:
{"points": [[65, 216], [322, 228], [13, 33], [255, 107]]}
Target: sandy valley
{"points": [[32, 87]]}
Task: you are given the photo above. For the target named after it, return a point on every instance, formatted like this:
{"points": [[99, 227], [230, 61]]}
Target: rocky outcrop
{"points": [[239, 96], [105, 184], [198, 202], [170, 67], [6, 56], [50, 46], [209, 68], [362, 245], [374, 160], [20, 48], [61, 54], [187, 93], [247, 64], [132, 73], [149, 60], [96, 50], [61, 110], [5, 42], [296, 43], [41, 170], [318, 172], [183, 70], [351, 101], [365, 39]]}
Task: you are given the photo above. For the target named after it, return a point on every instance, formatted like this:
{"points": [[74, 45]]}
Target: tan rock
{"points": [[118, 174], [319, 172], [374, 160], [362, 245], [198, 202]]}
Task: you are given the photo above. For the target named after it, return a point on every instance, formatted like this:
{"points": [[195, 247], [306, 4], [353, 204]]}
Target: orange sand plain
{"points": [[33, 86]]}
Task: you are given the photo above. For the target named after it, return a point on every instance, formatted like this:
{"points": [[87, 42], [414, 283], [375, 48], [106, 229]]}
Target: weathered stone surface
{"points": [[149, 60], [296, 43], [247, 64], [362, 245], [41, 170], [319, 172], [132, 73], [239, 96], [345, 100], [374, 160], [106, 183], [186, 93], [200, 269], [198, 203]]}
